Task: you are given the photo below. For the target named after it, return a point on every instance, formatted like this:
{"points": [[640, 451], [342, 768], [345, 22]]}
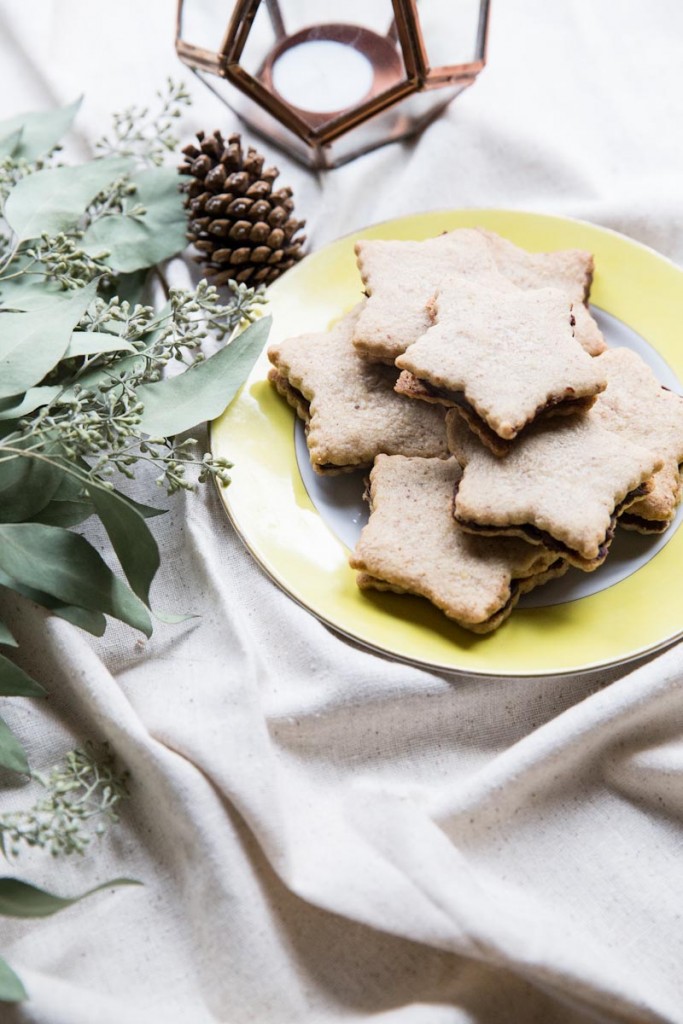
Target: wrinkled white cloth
{"points": [[323, 834]]}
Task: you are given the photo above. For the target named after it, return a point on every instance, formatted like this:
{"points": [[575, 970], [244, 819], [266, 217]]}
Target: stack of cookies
{"points": [[505, 440]]}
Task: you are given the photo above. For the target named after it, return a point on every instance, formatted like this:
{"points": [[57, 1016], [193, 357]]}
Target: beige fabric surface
{"points": [[325, 835]]}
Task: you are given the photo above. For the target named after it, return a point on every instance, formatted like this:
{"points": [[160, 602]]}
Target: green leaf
{"points": [[203, 392], [26, 486], [146, 511], [70, 504], [6, 636], [64, 513], [41, 130], [55, 199], [158, 234], [11, 988], [72, 487], [27, 293], [9, 143], [21, 899], [14, 682], [66, 566], [91, 622], [173, 618], [131, 539], [31, 344], [12, 754], [15, 408], [93, 343], [128, 287]]}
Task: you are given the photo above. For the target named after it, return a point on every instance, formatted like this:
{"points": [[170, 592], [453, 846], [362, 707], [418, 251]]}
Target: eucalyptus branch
{"points": [[95, 418], [83, 787], [63, 261], [146, 134], [115, 201]]}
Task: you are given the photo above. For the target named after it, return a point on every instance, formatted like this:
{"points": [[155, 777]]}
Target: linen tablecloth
{"points": [[324, 834]]}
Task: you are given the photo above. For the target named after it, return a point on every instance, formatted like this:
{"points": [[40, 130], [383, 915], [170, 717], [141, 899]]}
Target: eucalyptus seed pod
{"points": [[242, 228]]}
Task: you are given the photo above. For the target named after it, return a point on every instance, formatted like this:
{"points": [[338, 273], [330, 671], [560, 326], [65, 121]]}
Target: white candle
{"points": [[321, 75]]}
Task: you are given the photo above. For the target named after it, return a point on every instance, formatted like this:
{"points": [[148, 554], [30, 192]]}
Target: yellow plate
{"points": [[275, 517]]}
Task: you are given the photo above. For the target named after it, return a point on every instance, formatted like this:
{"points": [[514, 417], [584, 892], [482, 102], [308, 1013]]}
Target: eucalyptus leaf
{"points": [[94, 343], [6, 636], [14, 682], [128, 287], [135, 547], [12, 754], [9, 143], [70, 503], [37, 596], [66, 566], [203, 392], [26, 486], [91, 622], [55, 199], [31, 344], [28, 293], [73, 489], [15, 408], [143, 241], [147, 511], [11, 988], [21, 899], [71, 486], [173, 618], [64, 513], [40, 130]]}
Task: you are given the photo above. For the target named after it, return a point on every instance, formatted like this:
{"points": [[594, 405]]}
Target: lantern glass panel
{"points": [[203, 23], [450, 31]]}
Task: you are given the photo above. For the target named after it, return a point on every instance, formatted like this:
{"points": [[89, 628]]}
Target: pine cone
{"points": [[244, 231]]}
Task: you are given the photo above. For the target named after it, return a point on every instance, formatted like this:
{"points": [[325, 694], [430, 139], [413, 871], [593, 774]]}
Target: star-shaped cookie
{"points": [[411, 544], [400, 278], [562, 485], [570, 270], [636, 406], [350, 407], [503, 356]]}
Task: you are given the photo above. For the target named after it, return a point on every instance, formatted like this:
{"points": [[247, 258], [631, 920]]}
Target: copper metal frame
{"points": [[368, 43], [313, 129]]}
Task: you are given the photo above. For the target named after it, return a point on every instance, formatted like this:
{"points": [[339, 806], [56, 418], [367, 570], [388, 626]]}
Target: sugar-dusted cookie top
{"points": [[562, 485], [350, 406], [400, 277], [636, 406], [570, 270], [411, 544], [507, 354]]}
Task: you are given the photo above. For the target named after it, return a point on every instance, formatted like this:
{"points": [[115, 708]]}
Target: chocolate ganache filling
{"points": [[479, 423], [547, 539]]}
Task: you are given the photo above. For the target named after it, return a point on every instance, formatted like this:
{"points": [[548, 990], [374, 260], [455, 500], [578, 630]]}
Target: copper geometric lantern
{"points": [[325, 89]]}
